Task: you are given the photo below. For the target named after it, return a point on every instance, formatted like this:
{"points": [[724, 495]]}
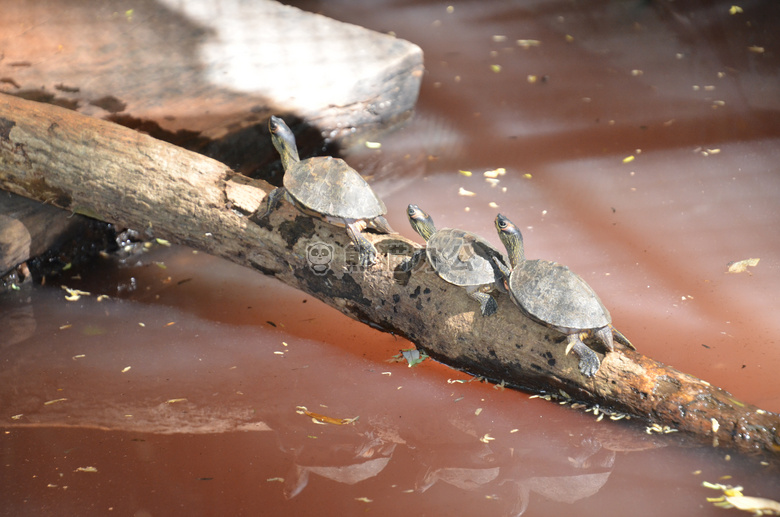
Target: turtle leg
{"points": [[271, 203], [502, 278], [487, 304], [621, 338], [366, 250], [589, 361], [381, 225], [605, 336], [413, 261]]}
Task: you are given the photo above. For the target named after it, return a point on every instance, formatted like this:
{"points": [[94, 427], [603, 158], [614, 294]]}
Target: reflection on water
{"points": [[197, 382], [643, 156]]}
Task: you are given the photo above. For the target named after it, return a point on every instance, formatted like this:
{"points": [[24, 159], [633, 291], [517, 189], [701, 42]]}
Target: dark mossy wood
{"points": [[98, 168]]}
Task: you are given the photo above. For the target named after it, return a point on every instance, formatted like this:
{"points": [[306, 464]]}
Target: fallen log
{"points": [[47, 234], [114, 174], [26, 230]]}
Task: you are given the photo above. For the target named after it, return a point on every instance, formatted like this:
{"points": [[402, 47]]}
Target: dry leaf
{"points": [[742, 265]]}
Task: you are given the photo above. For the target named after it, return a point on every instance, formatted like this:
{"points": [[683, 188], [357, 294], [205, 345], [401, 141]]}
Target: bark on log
{"points": [[112, 173], [39, 240], [28, 229]]}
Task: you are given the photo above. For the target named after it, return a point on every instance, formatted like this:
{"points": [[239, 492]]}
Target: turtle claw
{"points": [[589, 366], [487, 304], [490, 306], [367, 256], [589, 361], [366, 251], [605, 336], [272, 201]]}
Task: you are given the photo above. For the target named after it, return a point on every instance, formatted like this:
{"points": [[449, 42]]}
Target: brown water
{"points": [[204, 421]]}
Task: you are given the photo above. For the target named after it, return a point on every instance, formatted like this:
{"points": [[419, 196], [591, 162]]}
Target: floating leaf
{"points": [[733, 498], [759, 505], [742, 265], [528, 43], [495, 173], [414, 356], [323, 419]]}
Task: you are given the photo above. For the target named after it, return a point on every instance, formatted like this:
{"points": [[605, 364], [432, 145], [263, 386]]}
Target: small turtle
{"points": [[553, 295], [461, 258], [328, 188]]}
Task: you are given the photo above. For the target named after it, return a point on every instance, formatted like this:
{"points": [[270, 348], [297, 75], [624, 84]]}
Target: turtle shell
{"points": [[555, 295], [330, 187], [462, 258]]}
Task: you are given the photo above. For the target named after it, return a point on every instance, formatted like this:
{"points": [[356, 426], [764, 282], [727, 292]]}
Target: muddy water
{"points": [[178, 394]]}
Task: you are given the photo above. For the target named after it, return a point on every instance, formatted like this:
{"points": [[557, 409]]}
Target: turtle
{"points": [[460, 258], [328, 188], [554, 295]]}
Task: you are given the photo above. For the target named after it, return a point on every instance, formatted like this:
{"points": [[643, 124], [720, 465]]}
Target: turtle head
{"points": [[420, 221], [512, 238], [284, 142]]}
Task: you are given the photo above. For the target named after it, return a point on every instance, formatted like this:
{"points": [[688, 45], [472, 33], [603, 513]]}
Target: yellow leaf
{"points": [[742, 265]]}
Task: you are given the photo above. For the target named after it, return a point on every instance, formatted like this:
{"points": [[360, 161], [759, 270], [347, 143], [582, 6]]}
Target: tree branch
{"points": [[109, 172]]}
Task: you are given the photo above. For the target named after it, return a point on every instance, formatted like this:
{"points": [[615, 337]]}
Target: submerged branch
{"points": [[115, 174]]}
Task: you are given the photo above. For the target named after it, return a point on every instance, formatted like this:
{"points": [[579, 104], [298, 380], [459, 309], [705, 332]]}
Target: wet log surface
{"points": [[28, 228], [114, 174]]}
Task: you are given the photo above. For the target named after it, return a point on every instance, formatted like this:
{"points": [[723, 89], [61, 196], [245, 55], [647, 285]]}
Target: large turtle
{"points": [[556, 296], [328, 188], [461, 258]]}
